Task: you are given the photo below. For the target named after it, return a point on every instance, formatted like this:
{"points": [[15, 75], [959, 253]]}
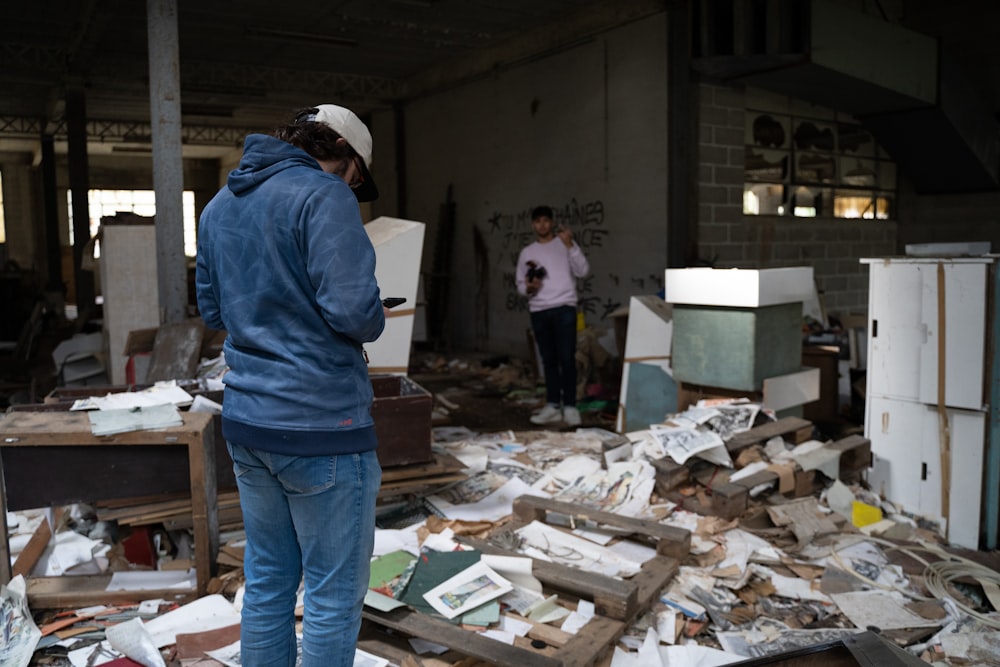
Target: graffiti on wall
{"points": [[511, 231]]}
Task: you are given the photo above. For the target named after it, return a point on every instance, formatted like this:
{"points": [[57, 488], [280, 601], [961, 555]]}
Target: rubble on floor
{"points": [[719, 536]]}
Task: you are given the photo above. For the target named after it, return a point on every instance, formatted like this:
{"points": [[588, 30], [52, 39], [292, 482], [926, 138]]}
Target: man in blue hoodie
{"points": [[286, 268]]}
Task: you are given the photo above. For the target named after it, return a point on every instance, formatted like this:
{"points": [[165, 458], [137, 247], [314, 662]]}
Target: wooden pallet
{"points": [[730, 499], [617, 602]]}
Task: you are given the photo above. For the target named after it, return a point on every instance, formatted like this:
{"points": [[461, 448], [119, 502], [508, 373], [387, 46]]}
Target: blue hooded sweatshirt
{"points": [[286, 268]]}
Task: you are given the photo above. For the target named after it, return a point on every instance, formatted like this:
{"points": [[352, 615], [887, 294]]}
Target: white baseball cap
{"points": [[346, 123]]}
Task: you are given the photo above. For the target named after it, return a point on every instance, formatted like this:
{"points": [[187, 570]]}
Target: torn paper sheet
{"points": [[879, 609], [680, 444], [733, 418], [71, 552], [467, 590], [206, 613], [693, 417], [579, 618], [822, 458], [547, 543], [19, 632], [146, 580], [131, 639], [515, 569], [161, 393], [624, 488], [493, 507], [758, 644], [109, 422]]}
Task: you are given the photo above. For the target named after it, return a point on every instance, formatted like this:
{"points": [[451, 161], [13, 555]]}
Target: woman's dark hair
{"points": [[317, 139]]}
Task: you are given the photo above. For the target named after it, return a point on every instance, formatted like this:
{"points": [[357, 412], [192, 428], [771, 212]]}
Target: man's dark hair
{"points": [[317, 139], [541, 212]]}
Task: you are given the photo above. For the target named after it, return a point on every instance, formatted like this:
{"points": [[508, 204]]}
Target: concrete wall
{"points": [[584, 131]]}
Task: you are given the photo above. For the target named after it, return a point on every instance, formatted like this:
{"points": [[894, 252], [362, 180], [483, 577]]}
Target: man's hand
{"points": [[532, 286], [564, 233]]}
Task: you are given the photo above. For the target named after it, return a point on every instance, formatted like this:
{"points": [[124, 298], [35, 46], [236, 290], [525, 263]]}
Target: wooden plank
{"points": [[442, 464], [655, 575], [591, 642], [855, 454], [176, 349], [204, 508], [614, 598], [39, 429], [33, 550], [670, 540], [792, 429], [88, 590]]}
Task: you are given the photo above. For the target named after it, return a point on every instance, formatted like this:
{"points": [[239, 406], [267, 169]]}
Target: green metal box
{"points": [[736, 348]]}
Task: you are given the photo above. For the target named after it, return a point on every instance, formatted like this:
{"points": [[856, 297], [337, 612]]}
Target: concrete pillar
{"points": [[79, 184], [168, 167]]}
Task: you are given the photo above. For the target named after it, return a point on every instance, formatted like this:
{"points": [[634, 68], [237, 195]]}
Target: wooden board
{"points": [[792, 429], [176, 350], [669, 540], [583, 650]]}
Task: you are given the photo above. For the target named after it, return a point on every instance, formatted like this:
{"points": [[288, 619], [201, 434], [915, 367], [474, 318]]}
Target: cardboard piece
{"points": [[647, 357], [398, 246]]}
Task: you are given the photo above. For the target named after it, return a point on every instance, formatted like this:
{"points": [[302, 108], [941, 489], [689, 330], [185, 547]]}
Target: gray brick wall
{"points": [[728, 239]]}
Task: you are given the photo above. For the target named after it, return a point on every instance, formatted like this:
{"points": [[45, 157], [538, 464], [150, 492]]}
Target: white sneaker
{"points": [[550, 414], [571, 416]]}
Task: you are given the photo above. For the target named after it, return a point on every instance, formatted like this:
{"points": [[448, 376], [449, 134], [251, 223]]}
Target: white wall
{"points": [[582, 130]]}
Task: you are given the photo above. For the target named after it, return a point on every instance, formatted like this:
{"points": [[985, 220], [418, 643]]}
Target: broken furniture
{"points": [[398, 245], [741, 330], [402, 413], [617, 602], [932, 398], [648, 390], [58, 447], [729, 500]]}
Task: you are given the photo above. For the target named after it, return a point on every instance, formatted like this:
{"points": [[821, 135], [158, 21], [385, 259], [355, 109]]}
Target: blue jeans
{"points": [[311, 517], [555, 334]]}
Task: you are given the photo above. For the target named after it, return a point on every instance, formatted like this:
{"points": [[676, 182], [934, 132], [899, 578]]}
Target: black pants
{"points": [[555, 334]]}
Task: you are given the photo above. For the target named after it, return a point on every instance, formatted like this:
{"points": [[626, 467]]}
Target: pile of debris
{"points": [[718, 536]]}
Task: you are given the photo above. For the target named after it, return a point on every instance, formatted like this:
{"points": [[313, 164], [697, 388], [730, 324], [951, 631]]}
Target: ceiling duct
{"points": [[918, 104]]}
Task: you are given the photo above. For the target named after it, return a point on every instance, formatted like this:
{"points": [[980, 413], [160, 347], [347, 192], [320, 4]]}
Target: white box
{"points": [[398, 247], [742, 288]]}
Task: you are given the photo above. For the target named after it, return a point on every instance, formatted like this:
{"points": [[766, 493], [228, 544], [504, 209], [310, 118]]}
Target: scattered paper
{"points": [[467, 590], [109, 422], [144, 580], [132, 639], [19, 632], [879, 609]]}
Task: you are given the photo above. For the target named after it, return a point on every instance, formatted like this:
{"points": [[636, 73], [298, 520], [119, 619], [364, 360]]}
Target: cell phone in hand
{"points": [[393, 301]]}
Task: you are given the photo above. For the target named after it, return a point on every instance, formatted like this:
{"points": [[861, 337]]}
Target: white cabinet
{"points": [[930, 354]]}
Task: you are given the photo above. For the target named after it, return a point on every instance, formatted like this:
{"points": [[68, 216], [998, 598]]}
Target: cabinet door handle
{"points": [[923, 472], [874, 328]]}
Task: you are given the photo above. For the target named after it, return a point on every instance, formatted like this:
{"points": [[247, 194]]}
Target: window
{"points": [[806, 167], [141, 202]]}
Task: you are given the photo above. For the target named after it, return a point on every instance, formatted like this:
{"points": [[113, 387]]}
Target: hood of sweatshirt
{"points": [[263, 157]]}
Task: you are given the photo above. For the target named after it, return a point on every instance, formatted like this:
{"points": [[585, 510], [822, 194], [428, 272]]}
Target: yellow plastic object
{"points": [[581, 323], [863, 514]]}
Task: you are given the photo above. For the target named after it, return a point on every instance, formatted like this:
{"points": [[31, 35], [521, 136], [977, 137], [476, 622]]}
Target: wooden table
{"points": [[52, 458]]}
